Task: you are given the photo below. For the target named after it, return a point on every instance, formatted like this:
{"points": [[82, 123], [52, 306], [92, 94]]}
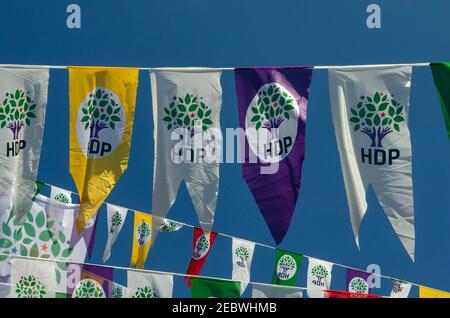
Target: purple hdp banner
{"points": [[272, 109], [98, 279], [357, 281]]}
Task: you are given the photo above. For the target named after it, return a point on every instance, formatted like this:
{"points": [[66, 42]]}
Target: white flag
{"points": [[117, 291], [32, 278], [143, 285], [116, 218], [167, 226], [23, 100], [370, 108], [242, 261], [400, 289], [61, 195], [268, 291], [319, 277], [188, 141]]}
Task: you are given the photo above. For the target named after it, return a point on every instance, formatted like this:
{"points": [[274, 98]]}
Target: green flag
{"points": [[441, 76], [215, 288], [286, 267]]}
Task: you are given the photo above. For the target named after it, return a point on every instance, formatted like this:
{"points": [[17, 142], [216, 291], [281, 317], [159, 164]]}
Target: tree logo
{"points": [[398, 286], [116, 221], [286, 267], [242, 254], [143, 233], [358, 285], [320, 272], [88, 288], [201, 247], [30, 287], [168, 227], [273, 107], [100, 123], [62, 197], [145, 292], [117, 292]]}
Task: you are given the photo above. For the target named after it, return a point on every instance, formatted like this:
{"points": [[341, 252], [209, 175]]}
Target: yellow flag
{"points": [[142, 239], [102, 103], [425, 292]]}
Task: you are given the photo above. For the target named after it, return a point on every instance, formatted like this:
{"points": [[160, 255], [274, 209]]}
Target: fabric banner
{"points": [[89, 281], [319, 277], [441, 77], [23, 101], [357, 281], [214, 288], [202, 245], [60, 195], [188, 140], [144, 285], [267, 291], [32, 278], [116, 218], [87, 234], [242, 255], [426, 292], [272, 110], [142, 239], [342, 294], [400, 289], [102, 102], [286, 268], [370, 109], [118, 291], [168, 226]]}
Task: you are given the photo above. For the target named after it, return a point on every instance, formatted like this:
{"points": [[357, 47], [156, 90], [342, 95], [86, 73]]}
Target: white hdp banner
{"points": [[32, 278], [370, 109], [144, 285], [116, 218], [23, 100], [319, 277], [272, 291], [400, 289], [188, 141], [242, 261], [61, 195]]}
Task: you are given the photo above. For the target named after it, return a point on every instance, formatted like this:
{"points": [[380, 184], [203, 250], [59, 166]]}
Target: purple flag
{"points": [[89, 281], [272, 109], [357, 281], [88, 234]]}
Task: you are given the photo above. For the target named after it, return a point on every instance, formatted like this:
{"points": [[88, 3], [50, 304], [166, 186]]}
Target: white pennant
{"points": [[400, 289], [370, 108], [60, 195], [319, 277], [266, 291], [116, 218], [242, 254], [167, 226], [143, 285]]}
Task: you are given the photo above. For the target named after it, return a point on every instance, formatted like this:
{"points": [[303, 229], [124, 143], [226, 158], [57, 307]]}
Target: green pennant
{"points": [[286, 269], [215, 288], [441, 77]]}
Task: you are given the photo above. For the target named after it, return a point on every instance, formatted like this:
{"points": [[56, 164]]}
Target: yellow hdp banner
{"points": [[142, 239], [102, 103], [425, 292]]}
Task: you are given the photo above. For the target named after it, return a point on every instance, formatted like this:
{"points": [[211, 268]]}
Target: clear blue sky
{"points": [[252, 33]]}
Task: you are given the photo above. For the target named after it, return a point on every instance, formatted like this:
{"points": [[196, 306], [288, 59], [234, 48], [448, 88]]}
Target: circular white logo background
{"points": [[201, 247], [358, 285], [81, 290], [286, 267]]}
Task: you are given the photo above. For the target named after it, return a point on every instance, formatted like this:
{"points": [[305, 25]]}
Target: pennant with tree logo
{"points": [[214, 288], [102, 103], [426, 292], [116, 218], [32, 278], [370, 108], [286, 269], [60, 195], [142, 239], [358, 282], [144, 285], [23, 101], [188, 140], [202, 245], [118, 291], [242, 254], [271, 291], [319, 277], [89, 281], [168, 226], [400, 289], [272, 110], [441, 77]]}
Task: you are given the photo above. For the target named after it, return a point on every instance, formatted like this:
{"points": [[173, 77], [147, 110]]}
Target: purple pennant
{"points": [[358, 287], [88, 234], [270, 98]]}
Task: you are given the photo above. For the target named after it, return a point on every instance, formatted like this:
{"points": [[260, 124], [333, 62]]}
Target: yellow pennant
{"points": [[142, 239], [425, 292], [102, 103]]}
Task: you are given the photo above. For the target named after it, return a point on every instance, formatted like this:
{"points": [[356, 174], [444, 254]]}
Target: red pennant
{"points": [[342, 294]]}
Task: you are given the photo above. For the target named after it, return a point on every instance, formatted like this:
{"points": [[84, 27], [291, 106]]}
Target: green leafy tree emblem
{"points": [[287, 263], [377, 116], [61, 197], [145, 292], [189, 114], [143, 231], [359, 285], [320, 272], [242, 253], [116, 221], [117, 292], [168, 227], [30, 287], [16, 111], [273, 106], [88, 288], [100, 111], [202, 247]]}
